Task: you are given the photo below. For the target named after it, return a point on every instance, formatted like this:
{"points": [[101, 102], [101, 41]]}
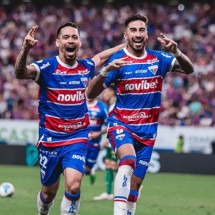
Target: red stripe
{"points": [[144, 116], [66, 126], [64, 143]]}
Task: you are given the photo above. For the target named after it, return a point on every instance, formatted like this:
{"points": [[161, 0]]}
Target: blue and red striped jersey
{"points": [[62, 105], [138, 87]]}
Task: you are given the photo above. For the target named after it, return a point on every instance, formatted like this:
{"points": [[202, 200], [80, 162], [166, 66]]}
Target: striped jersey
{"points": [[138, 87], [98, 112], [62, 104]]}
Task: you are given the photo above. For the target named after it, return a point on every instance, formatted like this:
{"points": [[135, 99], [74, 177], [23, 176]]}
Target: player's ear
{"points": [[125, 36], [57, 43], [80, 43]]}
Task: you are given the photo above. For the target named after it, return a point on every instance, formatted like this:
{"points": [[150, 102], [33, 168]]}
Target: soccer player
{"points": [[98, 120], [110, 160], [63, 132], [137, 73]]}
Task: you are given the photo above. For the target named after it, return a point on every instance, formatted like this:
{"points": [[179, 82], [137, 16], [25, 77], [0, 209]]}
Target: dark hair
{"points": [[135, 17], [71, 24]]}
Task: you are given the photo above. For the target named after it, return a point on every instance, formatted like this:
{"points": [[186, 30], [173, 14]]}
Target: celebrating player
{"points": [[138, 74], [63, 132]]}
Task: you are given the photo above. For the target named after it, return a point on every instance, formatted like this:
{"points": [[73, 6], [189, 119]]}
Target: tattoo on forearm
{"points": [[21, 64]]}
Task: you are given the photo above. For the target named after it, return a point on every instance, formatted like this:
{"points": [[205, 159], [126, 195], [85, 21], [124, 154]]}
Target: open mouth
{"points": [[70, 49]]}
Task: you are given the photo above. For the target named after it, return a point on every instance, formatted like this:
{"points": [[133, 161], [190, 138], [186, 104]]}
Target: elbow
{"points": [[18, 75], [191, 70]]}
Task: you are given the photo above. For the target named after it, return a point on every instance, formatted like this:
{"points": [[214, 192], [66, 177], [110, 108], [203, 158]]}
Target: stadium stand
{"points": [[186, 100]]}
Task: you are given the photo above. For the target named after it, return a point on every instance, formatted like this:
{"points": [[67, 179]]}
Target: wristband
{"points": [[178, 53], [103, 72]]}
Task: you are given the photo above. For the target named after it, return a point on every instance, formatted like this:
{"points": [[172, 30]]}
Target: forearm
{"points": [[20, 64], [103, 56], [95, 87], [185, 64]]}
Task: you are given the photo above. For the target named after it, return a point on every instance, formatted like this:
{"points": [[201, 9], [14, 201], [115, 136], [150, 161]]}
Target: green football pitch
{"points": [[162, 194]]}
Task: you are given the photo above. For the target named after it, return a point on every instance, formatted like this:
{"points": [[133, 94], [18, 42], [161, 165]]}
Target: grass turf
{"points": [[163, 194]]}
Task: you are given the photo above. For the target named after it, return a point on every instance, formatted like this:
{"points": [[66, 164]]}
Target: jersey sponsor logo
{"points": [[60, 125], [63, 83], [128, 73], [166, 55], [140, 85], [141, 71], [144, 163], [137, 116], [78, 157], [83, 72], [74, 82], [66, 97], [58, 71], [45, 65], [78, 96], [144, 85], [69, 127]]}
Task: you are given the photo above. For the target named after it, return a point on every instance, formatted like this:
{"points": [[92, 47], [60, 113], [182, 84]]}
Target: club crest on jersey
{"points": [[120, 136], [153, 69], [84, 80]]}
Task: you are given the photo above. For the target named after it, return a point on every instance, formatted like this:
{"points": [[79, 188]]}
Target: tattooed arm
{"points": [[23, 71]]}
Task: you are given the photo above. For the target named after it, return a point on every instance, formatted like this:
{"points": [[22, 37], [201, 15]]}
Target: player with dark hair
{"points": [[64, 120], [138, 74]]}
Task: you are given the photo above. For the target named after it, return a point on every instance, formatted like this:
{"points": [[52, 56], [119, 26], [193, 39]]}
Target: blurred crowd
{"points": [[187, 100]]}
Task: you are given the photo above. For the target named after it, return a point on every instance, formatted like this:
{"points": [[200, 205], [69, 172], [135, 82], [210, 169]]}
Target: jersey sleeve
{"points": [[112, 75], [44, 67], [90, 65], [167, 61]]}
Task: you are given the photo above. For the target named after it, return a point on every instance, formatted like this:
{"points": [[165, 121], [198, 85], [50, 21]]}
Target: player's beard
{"points": [[70, 57], [137, 48]]}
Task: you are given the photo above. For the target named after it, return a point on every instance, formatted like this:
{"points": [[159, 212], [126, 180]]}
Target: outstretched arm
{"points": [[100, 58], [23, 71], [182, 64], [96, 85]]}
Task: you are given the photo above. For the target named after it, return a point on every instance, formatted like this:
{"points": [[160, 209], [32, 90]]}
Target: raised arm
{"points": [[182, 64], [100, 58], [23, 71], [96, 85]]}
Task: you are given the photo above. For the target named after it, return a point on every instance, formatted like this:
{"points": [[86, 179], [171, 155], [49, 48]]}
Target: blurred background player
{"points": [[63, 113], [138, 74], [110, 160], [98, 115]]}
